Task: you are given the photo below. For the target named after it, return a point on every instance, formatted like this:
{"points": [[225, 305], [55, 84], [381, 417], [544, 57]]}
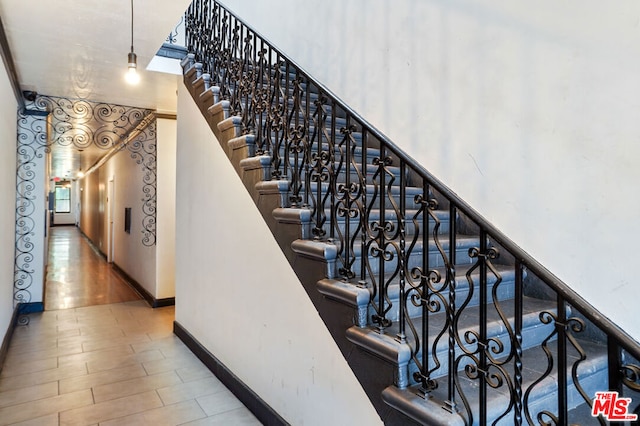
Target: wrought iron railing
{"points": [[412, 242]]}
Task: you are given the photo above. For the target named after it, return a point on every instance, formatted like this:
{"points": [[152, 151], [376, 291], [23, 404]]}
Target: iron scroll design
{"points": [[48, 121], [142, 149], [172, 38], [441, 279], [32, 145]]}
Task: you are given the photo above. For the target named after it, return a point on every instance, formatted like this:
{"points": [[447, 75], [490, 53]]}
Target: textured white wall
{"points": [[530, 113], [8, 108], [137, 260], [166, 212], [236, 293], [151, 266]]}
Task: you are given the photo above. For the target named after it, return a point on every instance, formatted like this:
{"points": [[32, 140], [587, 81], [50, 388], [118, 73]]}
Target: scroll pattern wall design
{"points": [[143, 151], [81, 124]]}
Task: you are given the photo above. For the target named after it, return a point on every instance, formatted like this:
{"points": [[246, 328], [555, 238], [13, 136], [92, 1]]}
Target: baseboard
{"points": [[93, 246], [152, 301], [249, 398], [20, 309], [30, 308], [4, 349]]}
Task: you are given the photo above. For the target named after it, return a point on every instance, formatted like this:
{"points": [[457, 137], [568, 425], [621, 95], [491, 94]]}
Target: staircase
{"points": [[441, 317]]}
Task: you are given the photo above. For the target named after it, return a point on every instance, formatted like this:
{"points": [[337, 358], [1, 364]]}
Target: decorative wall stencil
{"points": [[80, 124], [143, 150]]}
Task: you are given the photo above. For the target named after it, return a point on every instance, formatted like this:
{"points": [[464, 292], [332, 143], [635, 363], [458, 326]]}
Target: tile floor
{"points": [[110, 364], [113, 364], [78, 275]]}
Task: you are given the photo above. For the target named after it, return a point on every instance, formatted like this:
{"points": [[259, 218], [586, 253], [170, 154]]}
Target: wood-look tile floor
{"points": [[106, 364], [78, 276]]}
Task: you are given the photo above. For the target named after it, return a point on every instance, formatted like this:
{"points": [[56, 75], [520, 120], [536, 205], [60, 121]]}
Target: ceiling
{"points": [[78, 49]]}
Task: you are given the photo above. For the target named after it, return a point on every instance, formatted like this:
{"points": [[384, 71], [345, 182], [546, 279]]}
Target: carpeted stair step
{"points": [[591, 373], [504, 290], [414, 258], [386, 345], [373, 194], [390, 216]]}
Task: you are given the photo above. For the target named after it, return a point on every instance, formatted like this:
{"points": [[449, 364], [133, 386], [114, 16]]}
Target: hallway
{"points": [[77, 275], [116, 362]]}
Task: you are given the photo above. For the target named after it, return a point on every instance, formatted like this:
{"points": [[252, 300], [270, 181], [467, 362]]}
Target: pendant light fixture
{"points": [[132, 75]]}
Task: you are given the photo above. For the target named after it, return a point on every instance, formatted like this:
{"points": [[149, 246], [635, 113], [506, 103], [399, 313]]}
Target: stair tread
{"points": [[507, 273], [462, 242], [395, 190], [468, 319], [592, 372]]}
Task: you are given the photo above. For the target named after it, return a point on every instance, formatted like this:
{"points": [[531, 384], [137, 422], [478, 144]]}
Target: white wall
{"points": [[530, 113], [136, 259], [236, 293], [151, 266], [8, 108], [166, 208]]}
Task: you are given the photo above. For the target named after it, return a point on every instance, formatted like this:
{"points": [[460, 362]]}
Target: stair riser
{"points": [[410, 228], [370, 177], [531, 337], [545, 397], [372, 154], [505, 292], [410, 196], [415, 260]]}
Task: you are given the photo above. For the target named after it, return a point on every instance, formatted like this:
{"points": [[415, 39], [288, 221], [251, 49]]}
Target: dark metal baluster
{"points": [[205, 37], [614, 368], [246, 79], [264, 91], [320, 167], [346, 246], [402, 258], [364, 217], [424, 288], [251, 92], [286, 165], [482, 344], [230, 57], [297, 136], [517, 342], [332, 179], [192, 19], [450, 404], [380, 319], [219, 57], [263, 142], [278, 112], [308, 147], [562, 360]]}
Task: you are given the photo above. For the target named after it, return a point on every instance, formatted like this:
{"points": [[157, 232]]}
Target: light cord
{"points": [[131, 25]]}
